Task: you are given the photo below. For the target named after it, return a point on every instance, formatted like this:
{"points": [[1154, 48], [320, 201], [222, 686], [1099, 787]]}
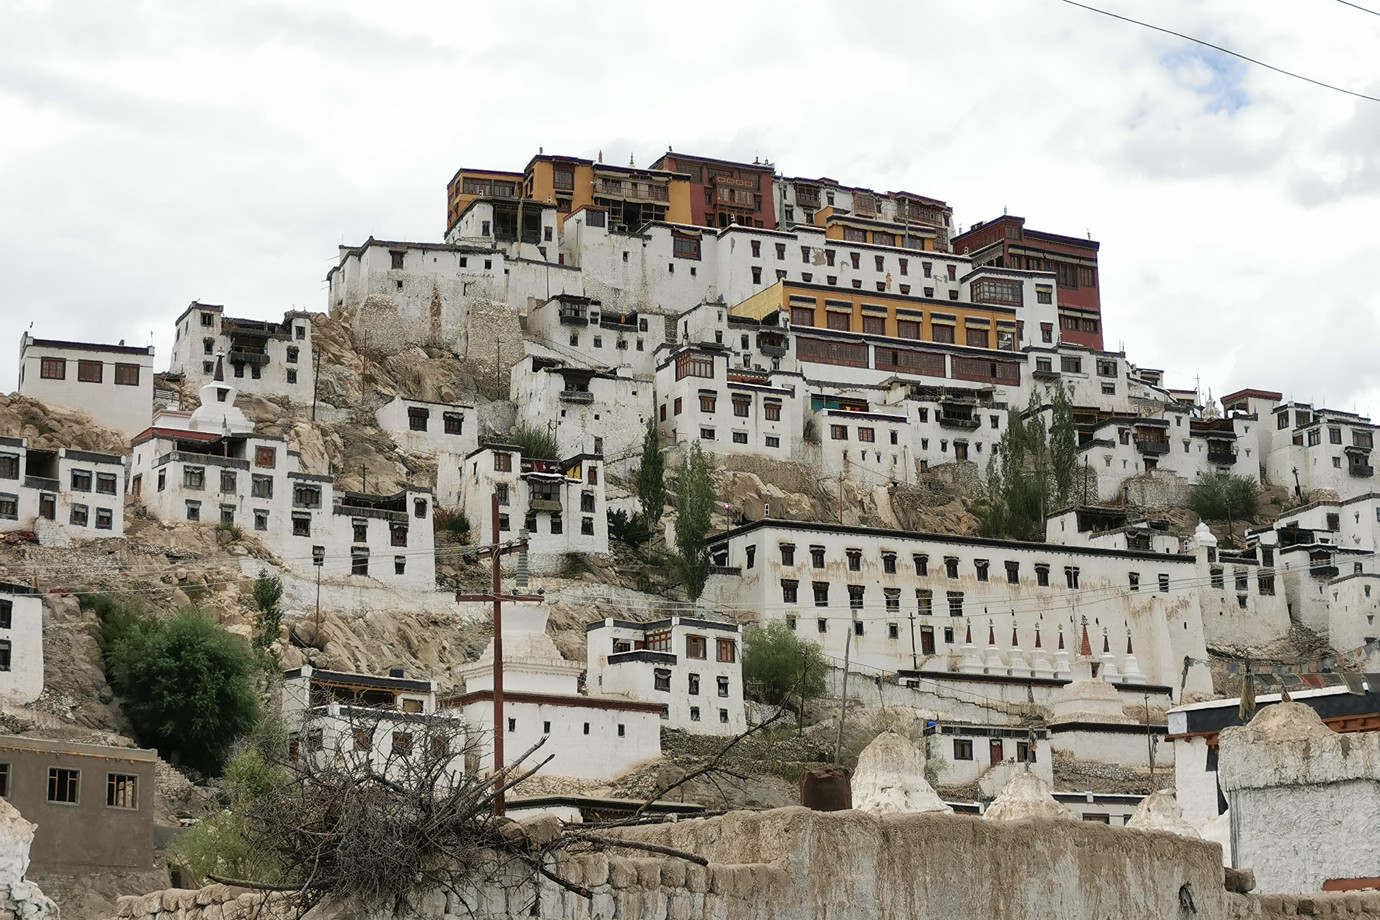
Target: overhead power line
{"points": [[1228, 51], [1357, 6]]}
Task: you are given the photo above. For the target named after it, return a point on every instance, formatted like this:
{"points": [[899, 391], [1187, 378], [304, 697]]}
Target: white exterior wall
{"points": [[1195, 786], [433, 439], [583, 475], [1352, 612], [1325, 464], [1240, 618], [692, 422], [598, 340], [126, 408], [61, 475], [331, 524], [1165, 626], [638, 269], [203, 331], [599, 754], [430, 300], [1125, 747], [941, 752], [1303, 805], [22, 681], [633, 673], [614, 411]]}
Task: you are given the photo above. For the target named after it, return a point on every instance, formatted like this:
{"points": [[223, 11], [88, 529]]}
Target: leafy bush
{"points": [[187, 685], [1220, 496], [630, 529], [223, 845], [268, 597], [451, 522], [535, 443], [779, 667]]}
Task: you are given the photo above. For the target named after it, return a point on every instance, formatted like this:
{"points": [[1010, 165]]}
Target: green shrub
{"points": [[535, 443], [630, 529], [268, 597], [187, 685], [779, 667], [451, 522]]}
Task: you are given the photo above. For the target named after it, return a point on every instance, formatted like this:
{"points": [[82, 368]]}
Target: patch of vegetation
{"points": [[451, 522], [1221, 496], [228, 533], [1031, 472], [649, 482], [535, 443], [628, 528], [694, 516], [187, 685], [268, 598], [780, 668], [37, 423]]}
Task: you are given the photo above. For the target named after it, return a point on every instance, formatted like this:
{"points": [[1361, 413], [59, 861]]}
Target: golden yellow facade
{"points": [[632, 196], [931, 321], [844, 228]]}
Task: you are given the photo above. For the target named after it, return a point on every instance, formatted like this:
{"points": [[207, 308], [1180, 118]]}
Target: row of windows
{"points": [[126, 375], [105, 483], [557, 523], [80, 516], [419, 419], [742, 405], [621, 344], [661, 682], [882, 286], [739, 437], [64, 786], [808, 256], [982, 570]]}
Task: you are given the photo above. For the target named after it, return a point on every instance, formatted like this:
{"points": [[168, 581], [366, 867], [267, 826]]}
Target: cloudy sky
{"points": [[153, 153]]}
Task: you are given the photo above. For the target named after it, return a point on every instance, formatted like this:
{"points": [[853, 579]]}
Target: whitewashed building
{"points": [[21, 644], [909, 602], [368, 722], [464, 296], [963, 753], [587, 409], [111, 383], [430, 428], [79, 492], [690, 666], [263, 358], [209, 467], [589, 735], [611, 340], [560, 503]]}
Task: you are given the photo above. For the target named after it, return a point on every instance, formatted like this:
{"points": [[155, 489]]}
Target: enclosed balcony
{"points": [[959, 417], [638, 191]]}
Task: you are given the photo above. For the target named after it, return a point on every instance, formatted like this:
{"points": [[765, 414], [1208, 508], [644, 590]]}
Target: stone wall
{"points": [[794, 863]]}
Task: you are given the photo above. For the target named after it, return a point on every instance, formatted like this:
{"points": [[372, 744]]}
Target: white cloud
{"points": [[161, 152]]}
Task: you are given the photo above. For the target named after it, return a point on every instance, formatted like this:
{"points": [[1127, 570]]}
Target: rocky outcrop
{"points": [[19, 898]]}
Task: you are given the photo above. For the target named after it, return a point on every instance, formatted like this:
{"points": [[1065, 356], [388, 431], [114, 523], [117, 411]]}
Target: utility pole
{"points": [[914, 659], [496, 550], [843, 703], [318, 559], [1149, 742]]}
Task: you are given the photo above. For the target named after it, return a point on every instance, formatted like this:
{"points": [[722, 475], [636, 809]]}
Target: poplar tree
{"points": [[650, 479], [694, 516]]}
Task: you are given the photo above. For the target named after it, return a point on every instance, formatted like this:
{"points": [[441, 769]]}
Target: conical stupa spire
{"points": [[1084, 645]]}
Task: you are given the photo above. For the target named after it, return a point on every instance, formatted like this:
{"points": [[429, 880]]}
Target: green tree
{"points": [[187, 685], [1221, 496], [650, 479], [268, 597], [1019, 479], [694, 517], [223, 845], [780, 668], [1063, 444]]}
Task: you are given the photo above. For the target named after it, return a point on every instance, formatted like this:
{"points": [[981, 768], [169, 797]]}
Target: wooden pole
{"points": [[499, 725]]}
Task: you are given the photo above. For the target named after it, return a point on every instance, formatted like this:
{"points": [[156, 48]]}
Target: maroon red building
{"points": [[1007, 243], [724, 193]]}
